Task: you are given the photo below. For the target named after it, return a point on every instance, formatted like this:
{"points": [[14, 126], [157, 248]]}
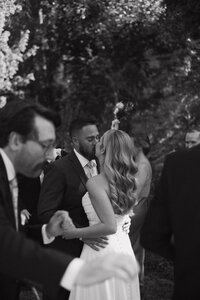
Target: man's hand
{"points": [[69, 229], [126, 225], [121, 266], [96, 243], [25, 216], [55, 226]]}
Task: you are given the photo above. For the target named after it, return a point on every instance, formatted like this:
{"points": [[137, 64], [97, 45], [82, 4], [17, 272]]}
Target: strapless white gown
{"points": [[112, 289]]}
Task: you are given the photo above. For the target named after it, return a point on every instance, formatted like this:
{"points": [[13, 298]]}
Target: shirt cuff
{"points": [[46, 239], [69, 277]]}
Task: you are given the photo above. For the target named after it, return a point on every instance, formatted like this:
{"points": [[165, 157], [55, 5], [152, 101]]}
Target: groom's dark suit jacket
{"points": [[20, 257], [62, 189], [174, 214]]}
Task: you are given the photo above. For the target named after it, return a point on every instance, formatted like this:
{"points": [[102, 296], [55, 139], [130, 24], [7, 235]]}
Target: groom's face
{"points": [[87, 138]]}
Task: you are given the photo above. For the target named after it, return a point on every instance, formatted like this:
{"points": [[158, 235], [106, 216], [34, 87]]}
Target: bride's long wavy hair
{"points": [[117, 163]]}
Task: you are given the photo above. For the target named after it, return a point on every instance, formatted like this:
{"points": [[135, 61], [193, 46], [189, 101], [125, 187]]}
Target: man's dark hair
{"points": [[18, 116], [78, 123]]}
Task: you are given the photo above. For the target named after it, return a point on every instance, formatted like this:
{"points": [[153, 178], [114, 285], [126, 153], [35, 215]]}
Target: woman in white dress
{"points": [[109, 201]]}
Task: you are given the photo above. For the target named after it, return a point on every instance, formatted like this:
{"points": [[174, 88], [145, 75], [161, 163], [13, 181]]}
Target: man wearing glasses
{"points": [[192, 138]]}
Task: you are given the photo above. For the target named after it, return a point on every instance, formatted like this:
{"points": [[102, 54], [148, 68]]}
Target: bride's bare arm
{"points": [[97, 190]]}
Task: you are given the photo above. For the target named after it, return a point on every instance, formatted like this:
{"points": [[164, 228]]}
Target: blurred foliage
{"points": [[93, 54], [13, 50]]}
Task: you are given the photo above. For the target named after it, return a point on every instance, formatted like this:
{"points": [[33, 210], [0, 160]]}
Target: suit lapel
{"points": [[5, 194], [78, 168]]}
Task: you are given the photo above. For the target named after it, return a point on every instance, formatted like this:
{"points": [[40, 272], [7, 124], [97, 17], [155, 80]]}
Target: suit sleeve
{"points": [[51, 194], [156, 234], [22, 258]]}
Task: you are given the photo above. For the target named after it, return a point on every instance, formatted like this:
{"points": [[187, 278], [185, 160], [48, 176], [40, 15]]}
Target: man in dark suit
{"points": [[64, 185], [172, 224], [29, 191], [27, 133], [19, 256]]}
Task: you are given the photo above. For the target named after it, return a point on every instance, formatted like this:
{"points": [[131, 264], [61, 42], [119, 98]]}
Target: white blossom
{"points": [[120, 105], [3, 101], [12, 55], [2, 21]]}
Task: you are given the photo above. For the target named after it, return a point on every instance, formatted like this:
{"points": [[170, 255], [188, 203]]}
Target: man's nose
{"points": [[95, 141], [50, 154]]}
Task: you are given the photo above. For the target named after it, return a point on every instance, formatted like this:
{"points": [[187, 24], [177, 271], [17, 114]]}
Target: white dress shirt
{"points": [[12, 182], [84, 163]]}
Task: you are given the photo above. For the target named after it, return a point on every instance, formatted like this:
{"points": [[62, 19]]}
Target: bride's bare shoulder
{"points": [[98, 185], [99, 180]]}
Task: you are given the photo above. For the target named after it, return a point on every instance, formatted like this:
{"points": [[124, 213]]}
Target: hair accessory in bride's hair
{"points": [[121, 109], [118, 106]]}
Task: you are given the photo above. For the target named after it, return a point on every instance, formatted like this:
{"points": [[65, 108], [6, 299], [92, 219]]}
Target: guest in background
{"points": [[59, 153], [143, 183], [172, 224], [192, 138]]}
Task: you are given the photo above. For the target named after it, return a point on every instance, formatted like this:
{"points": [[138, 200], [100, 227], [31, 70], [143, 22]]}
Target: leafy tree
{"points": [[93, 54], [13, 51]]}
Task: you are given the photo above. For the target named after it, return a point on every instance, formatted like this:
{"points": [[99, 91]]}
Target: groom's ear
{"points": [[75, 140], [15, 141]]}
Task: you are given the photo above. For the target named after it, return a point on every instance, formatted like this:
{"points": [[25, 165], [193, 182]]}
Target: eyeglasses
{"points": [[45, 145]]}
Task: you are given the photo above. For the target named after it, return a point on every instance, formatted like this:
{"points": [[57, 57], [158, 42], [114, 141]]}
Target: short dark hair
{"points": [[18, 116], [78, 123]]}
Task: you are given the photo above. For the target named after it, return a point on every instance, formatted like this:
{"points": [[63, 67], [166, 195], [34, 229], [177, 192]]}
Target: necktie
{"points": [[14, 191], [91, 168]]}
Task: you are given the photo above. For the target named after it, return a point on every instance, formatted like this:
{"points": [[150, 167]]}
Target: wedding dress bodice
{"points": [[92, 216], [118, 242]]}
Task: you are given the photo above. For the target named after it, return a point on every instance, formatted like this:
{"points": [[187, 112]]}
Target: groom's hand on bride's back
{"points": [[96, 243]]}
